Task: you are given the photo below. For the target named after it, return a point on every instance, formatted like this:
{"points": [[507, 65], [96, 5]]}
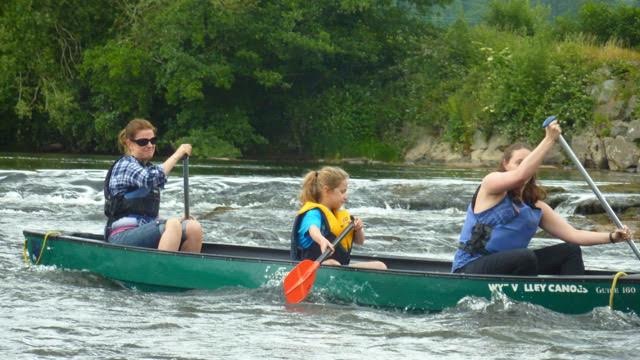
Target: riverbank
{"points": [[425, 153], [617, 152]]}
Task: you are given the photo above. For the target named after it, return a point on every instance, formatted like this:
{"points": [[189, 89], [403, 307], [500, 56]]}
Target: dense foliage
{"points": [[335, 78]]}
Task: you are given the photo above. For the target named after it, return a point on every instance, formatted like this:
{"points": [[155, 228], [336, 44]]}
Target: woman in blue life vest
{"points": [[132, 195], [505, 214], [322, 219]]}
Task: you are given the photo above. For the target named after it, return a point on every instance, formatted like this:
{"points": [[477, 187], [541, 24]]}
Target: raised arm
{"points": [[497, 183]]}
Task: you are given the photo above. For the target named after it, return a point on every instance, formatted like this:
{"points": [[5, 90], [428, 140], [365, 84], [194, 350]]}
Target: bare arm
{"points": [[170, 163], [501, 182], [556, 226], [316, 235], [495, 185]]}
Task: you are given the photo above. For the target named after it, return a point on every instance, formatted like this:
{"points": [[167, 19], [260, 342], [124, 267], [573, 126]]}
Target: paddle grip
{"points": [[548, 121], [327, 252]]}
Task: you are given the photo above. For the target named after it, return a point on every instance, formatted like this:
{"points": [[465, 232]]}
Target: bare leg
{"points": [[331, 262], [193, 241], [170, 239], [377, 265]]}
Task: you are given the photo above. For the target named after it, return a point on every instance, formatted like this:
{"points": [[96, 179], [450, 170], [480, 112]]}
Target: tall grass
{"points": [[612, 51]]}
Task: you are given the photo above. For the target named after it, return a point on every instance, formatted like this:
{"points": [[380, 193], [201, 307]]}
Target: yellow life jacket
{"points": [[337, 222]]}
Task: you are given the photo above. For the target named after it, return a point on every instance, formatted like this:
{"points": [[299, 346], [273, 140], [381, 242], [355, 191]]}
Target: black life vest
{"points": [[135, 202]]}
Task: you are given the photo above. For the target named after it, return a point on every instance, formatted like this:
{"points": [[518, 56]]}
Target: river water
{"points": [[49, 313]]}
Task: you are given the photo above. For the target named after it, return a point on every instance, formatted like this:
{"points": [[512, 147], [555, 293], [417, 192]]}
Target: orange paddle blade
{"points": [[298, 283]]}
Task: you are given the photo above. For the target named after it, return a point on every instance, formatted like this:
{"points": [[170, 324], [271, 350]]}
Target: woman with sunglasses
{"points": [[132, 195]]}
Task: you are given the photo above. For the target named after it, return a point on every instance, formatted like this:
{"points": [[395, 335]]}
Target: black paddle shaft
{"points": [[185, 175], [344, 233]]}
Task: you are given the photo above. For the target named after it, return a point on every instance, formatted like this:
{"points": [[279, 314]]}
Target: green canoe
{"points": [[410, 284]]}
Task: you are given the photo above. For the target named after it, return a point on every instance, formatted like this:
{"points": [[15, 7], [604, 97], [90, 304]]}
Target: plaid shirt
{"points": [[129, 174]]}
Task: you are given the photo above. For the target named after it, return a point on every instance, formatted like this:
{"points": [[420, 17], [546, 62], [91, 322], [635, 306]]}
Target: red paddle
{"points": [[299, 281]]}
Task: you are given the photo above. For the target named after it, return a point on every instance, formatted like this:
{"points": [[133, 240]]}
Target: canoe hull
{"points": [[224, 266]]}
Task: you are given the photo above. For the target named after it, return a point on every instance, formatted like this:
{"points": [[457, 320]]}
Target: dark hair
{"points": [[330, 176], [131, 130], [532, 192]]}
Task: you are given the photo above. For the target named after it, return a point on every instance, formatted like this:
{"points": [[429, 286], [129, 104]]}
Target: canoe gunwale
{"points": [[593, 275], [420, 288]]}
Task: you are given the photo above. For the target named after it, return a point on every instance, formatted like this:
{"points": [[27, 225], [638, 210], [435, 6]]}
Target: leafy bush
{"points": [[348, 122], [207, 143], [215, 134], [608, 22], [516, 16], [436, 71]]}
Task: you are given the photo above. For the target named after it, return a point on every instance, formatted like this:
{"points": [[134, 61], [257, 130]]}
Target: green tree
{"points": [[42, 44], [235, 70], [516, 15]]}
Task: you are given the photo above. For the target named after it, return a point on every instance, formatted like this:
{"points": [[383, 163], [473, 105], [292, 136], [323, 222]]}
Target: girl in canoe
{"points": [[322, 218], [505, 214], [132, 195]]}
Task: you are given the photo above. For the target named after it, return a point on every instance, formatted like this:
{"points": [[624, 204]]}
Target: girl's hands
{"points": [[358, 231], [326, 244], [358, 224]]}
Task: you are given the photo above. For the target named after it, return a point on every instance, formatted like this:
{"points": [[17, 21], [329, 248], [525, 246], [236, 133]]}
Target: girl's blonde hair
{"points": [[131, 130], [329, 176]]}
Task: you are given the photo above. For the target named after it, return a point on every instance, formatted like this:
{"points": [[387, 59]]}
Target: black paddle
{"points": [[593, 186], [185, 175]]}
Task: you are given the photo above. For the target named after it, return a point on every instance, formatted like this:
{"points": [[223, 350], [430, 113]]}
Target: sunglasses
{"points": [[144, 142]]}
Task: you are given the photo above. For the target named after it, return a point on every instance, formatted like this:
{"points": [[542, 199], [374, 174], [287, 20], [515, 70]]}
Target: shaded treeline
{"points": [[294, 78]]}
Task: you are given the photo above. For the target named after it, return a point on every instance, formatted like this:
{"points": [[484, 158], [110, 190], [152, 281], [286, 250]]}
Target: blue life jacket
{"points": [[513, 225]]}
